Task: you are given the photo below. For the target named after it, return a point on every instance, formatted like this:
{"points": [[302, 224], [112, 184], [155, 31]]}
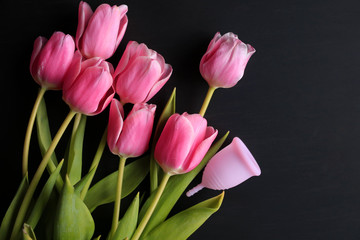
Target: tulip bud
{"points": [[130, 138], [183, 143], [88, 85], [225, 60], [140, 74], [228, 168], [51, 59], [99, 34]]}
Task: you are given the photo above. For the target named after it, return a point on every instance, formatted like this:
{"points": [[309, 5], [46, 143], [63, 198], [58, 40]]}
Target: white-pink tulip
{"points": [[228, 168], [225, 60]]}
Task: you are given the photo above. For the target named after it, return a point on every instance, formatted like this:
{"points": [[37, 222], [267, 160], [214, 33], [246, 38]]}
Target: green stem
{"points": [[29, 129], [207, 100], [95, 163], [34, 182], [116, 214], [151, 208], [76, 124]]}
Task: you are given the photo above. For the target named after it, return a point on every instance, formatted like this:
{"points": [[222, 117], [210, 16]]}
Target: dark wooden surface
{"points": [[297, 107]]}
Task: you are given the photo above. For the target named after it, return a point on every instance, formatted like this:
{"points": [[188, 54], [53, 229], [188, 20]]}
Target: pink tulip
{"points": [[51, 59], [228, 168], [130, 138], [225, 60], [183, 143], [88, 85], [140, 74], [99, 34]]}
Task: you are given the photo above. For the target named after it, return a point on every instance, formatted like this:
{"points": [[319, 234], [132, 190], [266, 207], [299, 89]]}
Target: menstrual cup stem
{"points": [[194, 190]]}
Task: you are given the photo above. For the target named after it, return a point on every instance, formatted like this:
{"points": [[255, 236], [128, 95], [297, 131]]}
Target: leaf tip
{"points": [[218, 200], [61, 163]]}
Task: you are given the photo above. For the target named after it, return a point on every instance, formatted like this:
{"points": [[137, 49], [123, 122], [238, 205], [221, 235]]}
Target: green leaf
{"points": [[74, 160], [44, 140], [95, 164], [43, 198], [98, 238], [183, 224], [44, 135], [28, 232], [72, 219], [10, 216], [128, 223], [174, 189], [45, 226], [169, 110], [104, 191], [84, 181]]}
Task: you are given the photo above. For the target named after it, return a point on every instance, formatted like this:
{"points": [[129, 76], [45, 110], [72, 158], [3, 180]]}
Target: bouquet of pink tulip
{"points": [[181, 144]]}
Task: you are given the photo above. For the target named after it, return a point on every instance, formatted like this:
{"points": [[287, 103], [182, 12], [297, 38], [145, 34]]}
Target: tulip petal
{"points": [[132, 50], [176, 136], [214, 46], [129, 51], [55, 59], [158, 85], [135, 136], [88, 90], [213, 42], [160, 59], [105, 101], [198, 154], [107, 66], [73, 71], [96, 62], [103, 27], [250, 52], [115, 125], [219, 59], [199, 126], [135, 82], [38, 45], [85, 13], [123, 24], [251, 49]]}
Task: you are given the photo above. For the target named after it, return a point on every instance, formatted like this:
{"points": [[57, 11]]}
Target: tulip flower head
{"points": [[88, 85], [228, 168], [50, 60], [99, 33], [140, 74], [183, 143], [225, 60], [130, 137]]}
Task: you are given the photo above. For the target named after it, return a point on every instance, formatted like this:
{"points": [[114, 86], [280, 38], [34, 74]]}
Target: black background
{"points": [[296, 108]]}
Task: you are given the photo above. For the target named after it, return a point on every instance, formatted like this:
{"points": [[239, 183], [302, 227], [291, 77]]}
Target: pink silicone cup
{"points": [[228, 168]]}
